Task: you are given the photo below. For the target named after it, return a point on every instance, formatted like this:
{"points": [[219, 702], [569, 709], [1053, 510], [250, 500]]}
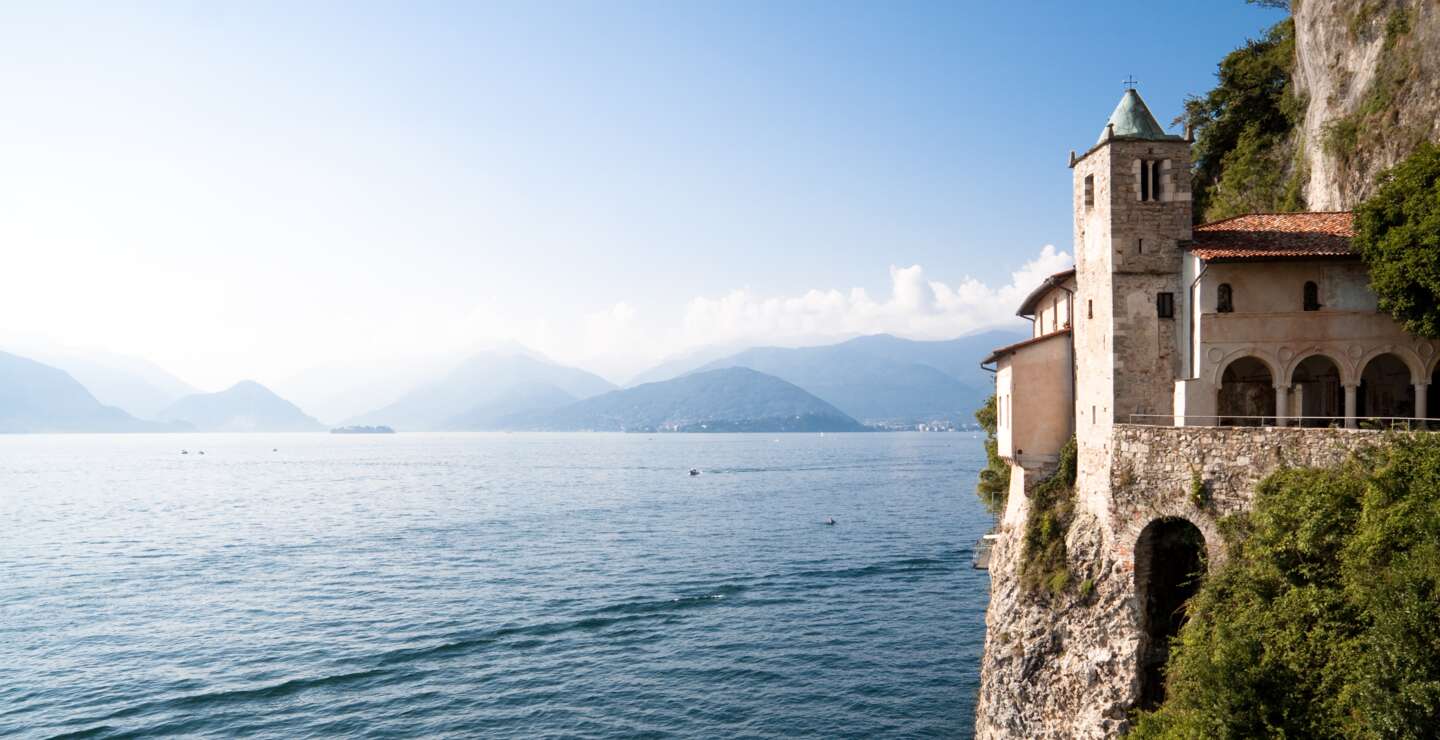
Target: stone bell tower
{"points": [[1132, 211]]}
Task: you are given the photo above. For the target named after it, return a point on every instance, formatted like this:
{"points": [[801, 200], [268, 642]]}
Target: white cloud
{"points": [[620, 340], [917, 308]]}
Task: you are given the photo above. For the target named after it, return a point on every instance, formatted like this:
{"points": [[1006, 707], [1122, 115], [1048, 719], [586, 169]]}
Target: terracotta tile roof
{"points": [[1010, 348], [1259, 236]]}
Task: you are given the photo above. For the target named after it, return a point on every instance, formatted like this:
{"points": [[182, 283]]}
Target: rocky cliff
{"points": [[1308, 115], [1074, 659], [1368, 72]]}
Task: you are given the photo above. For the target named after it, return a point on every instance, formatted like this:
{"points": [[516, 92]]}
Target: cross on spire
{"points": [[1129, 82]]}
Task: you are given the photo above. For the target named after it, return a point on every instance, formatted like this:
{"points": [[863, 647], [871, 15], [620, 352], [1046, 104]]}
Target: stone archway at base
{"points": [[1169, 565]]}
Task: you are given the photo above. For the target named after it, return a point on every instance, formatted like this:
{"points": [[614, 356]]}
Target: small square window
{"points": [[1165, 305]]}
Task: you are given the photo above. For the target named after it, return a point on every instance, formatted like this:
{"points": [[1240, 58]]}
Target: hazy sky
{"points": [[251, 191]]}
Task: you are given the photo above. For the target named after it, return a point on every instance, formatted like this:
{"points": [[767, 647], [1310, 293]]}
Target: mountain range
{"points": [[246, 406], [733, 399], [876, 380], [485, 388], [879, 379], [35, 397]]}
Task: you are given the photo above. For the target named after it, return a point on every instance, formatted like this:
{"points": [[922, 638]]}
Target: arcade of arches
{"points": [[1319, 395]]}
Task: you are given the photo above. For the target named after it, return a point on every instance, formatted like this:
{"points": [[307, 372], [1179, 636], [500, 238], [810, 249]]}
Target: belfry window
{"points": [[1089, 191], [1223, 299], [1312, 296], [1150, 185]]}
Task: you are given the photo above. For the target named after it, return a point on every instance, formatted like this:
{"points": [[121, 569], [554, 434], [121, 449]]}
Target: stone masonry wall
{"points": [[1068, 666]]}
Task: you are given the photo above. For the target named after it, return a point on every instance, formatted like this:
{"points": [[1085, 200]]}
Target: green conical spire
{"points": [[1132, 118]]}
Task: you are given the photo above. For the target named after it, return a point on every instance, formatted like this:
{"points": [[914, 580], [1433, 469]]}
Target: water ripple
{"points": [[489, 585]]}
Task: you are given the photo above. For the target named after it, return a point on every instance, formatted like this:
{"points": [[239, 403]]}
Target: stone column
{"points": [[1350, 406], [1421, 401], [1282, 405]]}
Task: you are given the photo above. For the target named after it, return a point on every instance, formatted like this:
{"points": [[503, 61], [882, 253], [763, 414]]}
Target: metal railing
{"points": [[1411, 423], [983, 548]]}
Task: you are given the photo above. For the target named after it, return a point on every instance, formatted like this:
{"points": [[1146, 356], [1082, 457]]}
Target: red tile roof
{"points": [[1260, 236]]}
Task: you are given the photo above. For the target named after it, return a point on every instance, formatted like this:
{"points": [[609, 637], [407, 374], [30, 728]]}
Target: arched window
{"points": [[1149, 185], [1223, 299], [1312, 296]]}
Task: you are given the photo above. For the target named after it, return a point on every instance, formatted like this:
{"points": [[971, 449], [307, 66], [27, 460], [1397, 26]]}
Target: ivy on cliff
{"points": [[1322, 621], [1044, 563], [1397, 232], [1374, 120], [994, 484], [1246, 156]]}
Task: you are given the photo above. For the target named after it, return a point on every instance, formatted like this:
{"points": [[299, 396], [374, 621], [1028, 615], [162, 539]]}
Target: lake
{"points": [[490, 585]]}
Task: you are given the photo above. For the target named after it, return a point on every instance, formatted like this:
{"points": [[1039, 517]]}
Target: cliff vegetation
{"points": [[993, 486], [1397, 231], [1246, 156], [1322, 621], [1307, 116], [1044, 565]]}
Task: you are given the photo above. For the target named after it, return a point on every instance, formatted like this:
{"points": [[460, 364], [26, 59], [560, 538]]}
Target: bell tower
{"points": [[1132, 212]]}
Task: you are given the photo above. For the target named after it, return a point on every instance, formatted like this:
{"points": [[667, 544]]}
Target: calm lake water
{"points": [[490, 585]]}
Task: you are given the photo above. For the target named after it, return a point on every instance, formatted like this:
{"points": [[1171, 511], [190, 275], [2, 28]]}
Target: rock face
{"points": [[1370, 72], [1070, 665]]}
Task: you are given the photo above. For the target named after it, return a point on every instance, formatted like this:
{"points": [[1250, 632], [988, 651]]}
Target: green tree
{"points": [[994, 481], [1245, 156], [1397, 231], [1322, 623]]}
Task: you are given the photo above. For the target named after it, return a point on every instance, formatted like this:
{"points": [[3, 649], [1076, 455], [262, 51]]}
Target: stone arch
{"points": [[1317, 389], [1245, 392], [1170, 562], [1387, 386], [1409, 358], [1429, 358], [1239, 354], [1348, 373]]}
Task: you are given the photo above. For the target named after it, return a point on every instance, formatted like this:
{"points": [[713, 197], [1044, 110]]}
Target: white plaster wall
{"points": [[1268, 322], [1004, 390], [1278, 287], [1052, 312]]}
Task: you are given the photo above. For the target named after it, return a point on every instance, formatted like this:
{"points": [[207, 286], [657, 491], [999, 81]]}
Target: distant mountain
{"points": [[728, 400], [136, 385], [335, 392], [132, 384], [35, 397], [246, 406], [518, 399], [885, 379], [485, 387], [959, 358], [683, 364]]}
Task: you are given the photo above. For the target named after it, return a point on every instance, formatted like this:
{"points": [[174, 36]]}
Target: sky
{"points": [[259, 189]]}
